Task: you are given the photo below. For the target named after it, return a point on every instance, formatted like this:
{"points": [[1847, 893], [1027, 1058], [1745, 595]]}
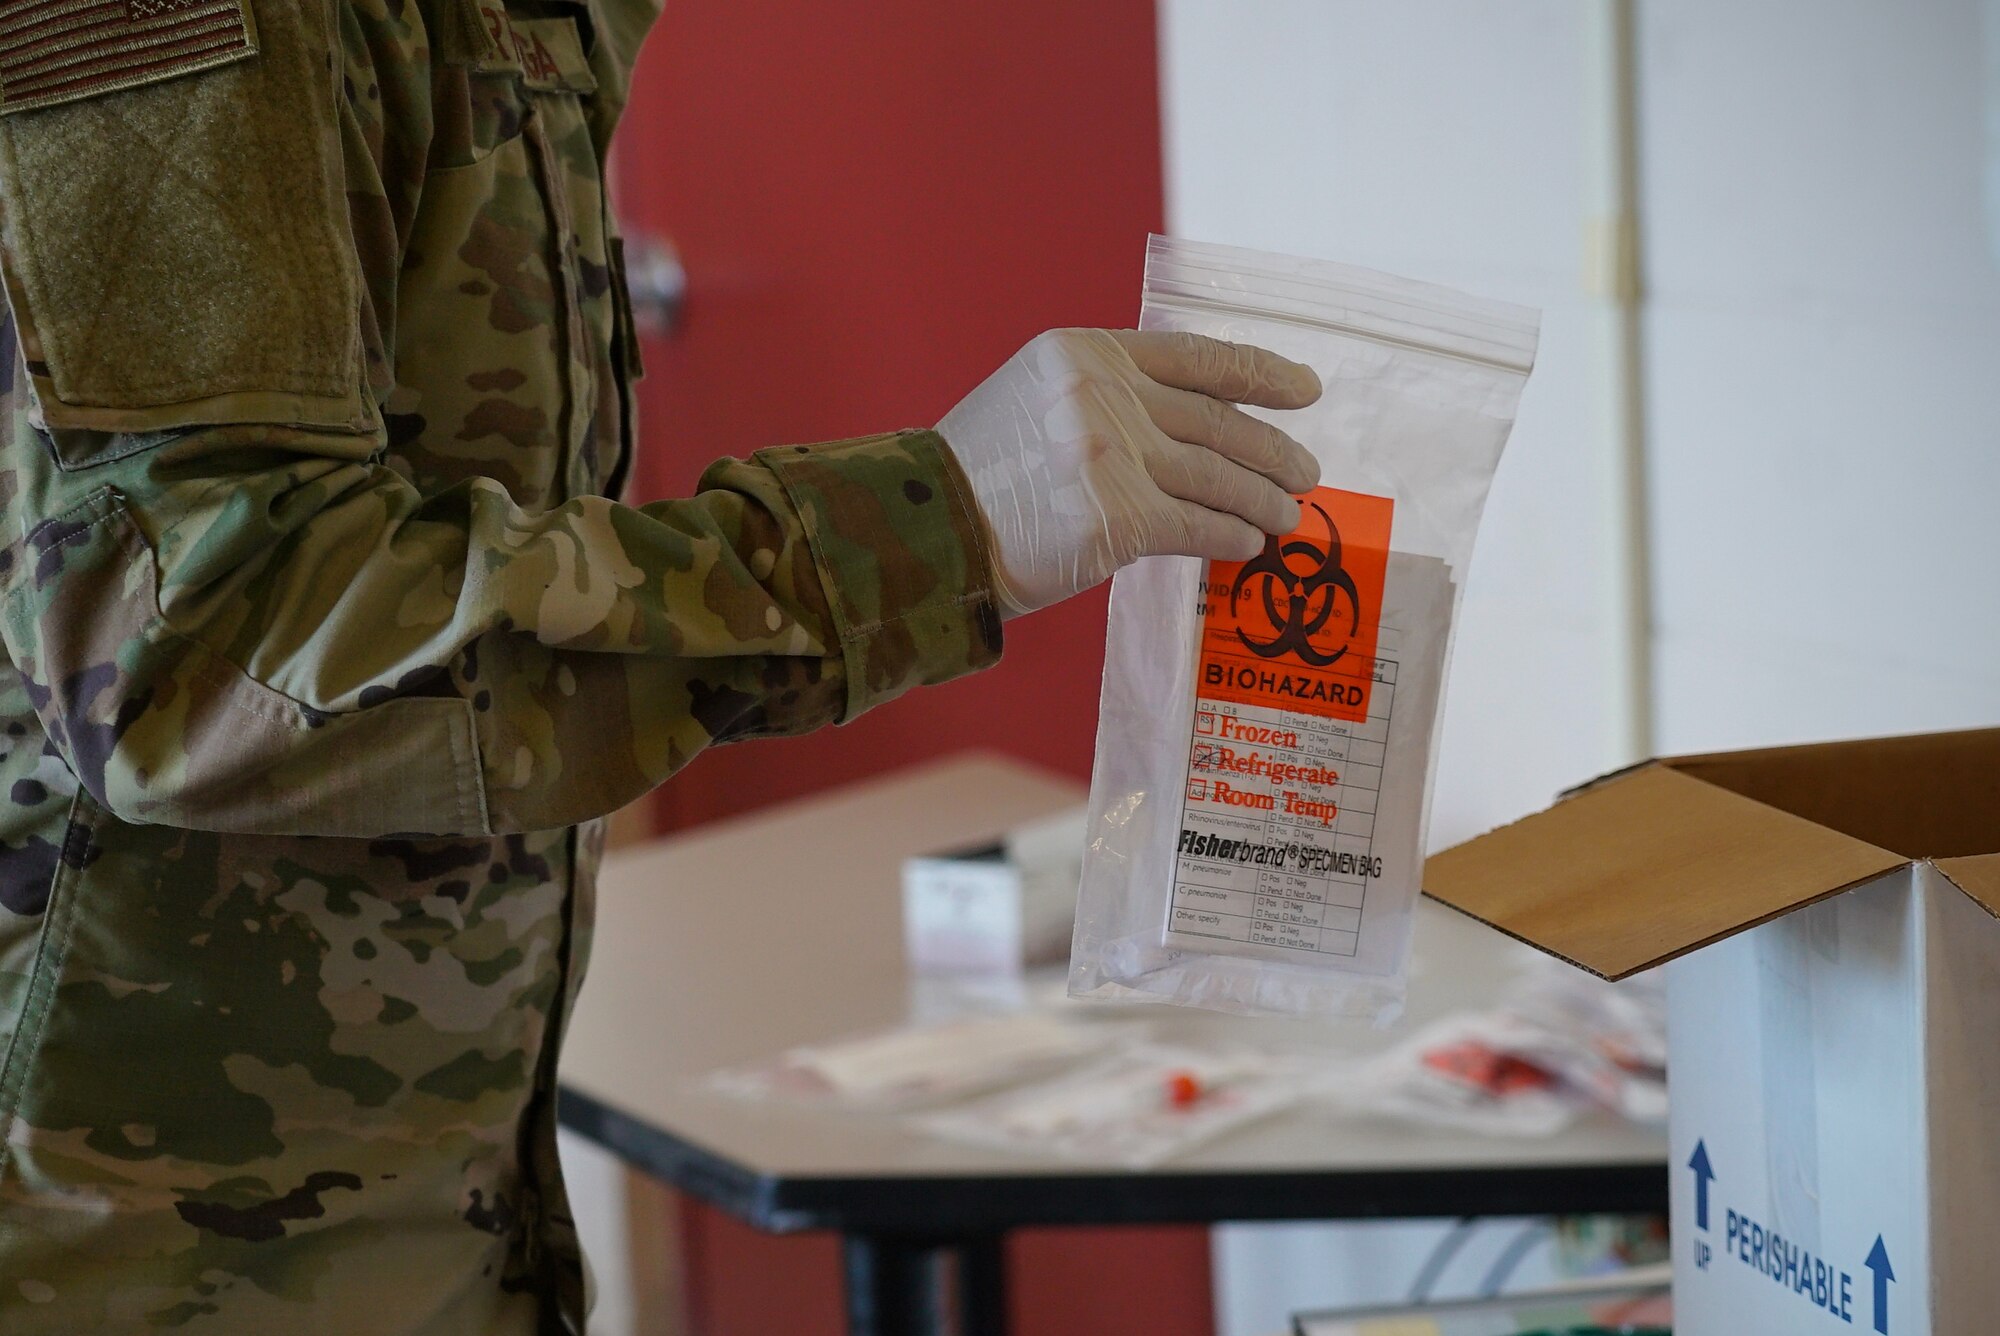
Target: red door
{"points": [[876, 203]]}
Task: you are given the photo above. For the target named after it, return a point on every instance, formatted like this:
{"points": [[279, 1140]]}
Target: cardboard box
{"points": [[1833, 1010]]}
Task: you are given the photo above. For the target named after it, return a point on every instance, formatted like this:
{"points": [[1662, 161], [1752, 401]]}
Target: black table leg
{"points": [[892, 1287], [982, 1286], [925, 1287]]}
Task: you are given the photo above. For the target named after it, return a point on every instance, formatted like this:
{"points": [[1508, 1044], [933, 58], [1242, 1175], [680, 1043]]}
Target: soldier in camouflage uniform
{"points": [[324, 647]]}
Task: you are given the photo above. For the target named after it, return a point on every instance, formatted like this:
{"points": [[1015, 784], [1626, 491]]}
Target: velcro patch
{"points": [[547, 53], [60, 50]]}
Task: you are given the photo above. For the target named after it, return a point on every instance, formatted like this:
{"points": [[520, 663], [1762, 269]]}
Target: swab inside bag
{"points": [[1265, 737]]}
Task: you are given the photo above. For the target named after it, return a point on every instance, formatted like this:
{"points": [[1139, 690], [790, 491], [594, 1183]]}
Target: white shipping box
{"points": [[1834, 1014]]}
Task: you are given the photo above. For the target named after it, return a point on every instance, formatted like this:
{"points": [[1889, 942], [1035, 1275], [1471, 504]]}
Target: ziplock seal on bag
{"points": [[1265, 737]]}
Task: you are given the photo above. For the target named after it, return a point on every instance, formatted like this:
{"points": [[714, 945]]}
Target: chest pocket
{"points": [[507, 354]]}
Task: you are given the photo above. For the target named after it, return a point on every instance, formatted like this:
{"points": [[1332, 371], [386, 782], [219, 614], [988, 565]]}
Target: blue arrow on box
{"points": [[1704, 1174], [1878, 1262]]}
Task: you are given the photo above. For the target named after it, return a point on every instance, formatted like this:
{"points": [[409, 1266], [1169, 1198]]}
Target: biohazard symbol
{"points": [[1309, 597]]}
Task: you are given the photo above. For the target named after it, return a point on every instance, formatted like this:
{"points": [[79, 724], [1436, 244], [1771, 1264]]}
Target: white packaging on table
{"points": [[1136, 1107]]}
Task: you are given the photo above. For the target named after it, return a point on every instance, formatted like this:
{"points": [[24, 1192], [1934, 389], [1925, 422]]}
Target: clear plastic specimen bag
{"points": [[1265, 739]]}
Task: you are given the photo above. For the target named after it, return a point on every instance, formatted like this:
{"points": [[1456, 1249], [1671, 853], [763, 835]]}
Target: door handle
{"points": [[656, 282]]}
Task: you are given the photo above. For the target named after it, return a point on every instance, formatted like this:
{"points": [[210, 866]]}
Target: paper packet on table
{"points": [[1136, 1108], [1468, 1073], [1267, 728], [913, 1065], [1557, 1044]]}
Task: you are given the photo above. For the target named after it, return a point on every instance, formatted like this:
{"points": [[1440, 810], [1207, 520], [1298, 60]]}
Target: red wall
{"points": [[1062, 1282], [876, 204]]}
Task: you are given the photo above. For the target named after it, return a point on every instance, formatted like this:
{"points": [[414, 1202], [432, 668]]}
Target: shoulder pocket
{"points": [[177, 246]]}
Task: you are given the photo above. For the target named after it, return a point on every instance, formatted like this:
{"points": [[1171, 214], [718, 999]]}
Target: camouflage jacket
{"points": [[324, 647]]}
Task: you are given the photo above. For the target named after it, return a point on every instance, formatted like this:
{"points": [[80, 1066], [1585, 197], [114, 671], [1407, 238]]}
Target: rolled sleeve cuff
{"points": [[901, 555]]}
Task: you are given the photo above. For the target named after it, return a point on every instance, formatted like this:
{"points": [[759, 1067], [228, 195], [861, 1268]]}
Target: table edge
{"points": [[969, 1204]]}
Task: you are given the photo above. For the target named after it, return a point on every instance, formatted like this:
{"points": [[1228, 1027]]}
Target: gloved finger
{"points": [[1233, 434], [1234, 371], [1198, 474], [1200, 532]]}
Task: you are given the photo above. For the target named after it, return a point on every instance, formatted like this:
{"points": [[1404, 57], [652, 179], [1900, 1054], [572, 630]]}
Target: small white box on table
{"points": [[997, 909]]}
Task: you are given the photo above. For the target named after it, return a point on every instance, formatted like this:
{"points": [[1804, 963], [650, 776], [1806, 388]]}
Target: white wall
{"points": [[1823, 383], [1438, 139], [596, 1181], [1825, 368]]}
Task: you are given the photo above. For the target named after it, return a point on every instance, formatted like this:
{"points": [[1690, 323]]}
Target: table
{"points": [[747, 937]]}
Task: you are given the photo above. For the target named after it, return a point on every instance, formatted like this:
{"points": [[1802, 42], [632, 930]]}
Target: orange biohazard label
{"points": [[1295, 627]]}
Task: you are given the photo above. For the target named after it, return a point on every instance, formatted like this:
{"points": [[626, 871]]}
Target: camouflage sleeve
{"points": [[622, 26], [250, 629]]}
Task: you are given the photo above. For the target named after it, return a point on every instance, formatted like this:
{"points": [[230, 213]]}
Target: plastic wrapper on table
{"points": [[912, 1066], [1137, 1107]]}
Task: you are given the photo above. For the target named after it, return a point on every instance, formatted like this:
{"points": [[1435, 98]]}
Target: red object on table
{"points": [[1495, 1072], [1184, 1090]]}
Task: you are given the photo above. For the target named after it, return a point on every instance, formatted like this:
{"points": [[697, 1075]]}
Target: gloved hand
{"points": [[1092, 448]]}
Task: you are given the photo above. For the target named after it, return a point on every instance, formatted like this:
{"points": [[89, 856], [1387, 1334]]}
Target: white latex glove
{"points": [[1092, 448]]}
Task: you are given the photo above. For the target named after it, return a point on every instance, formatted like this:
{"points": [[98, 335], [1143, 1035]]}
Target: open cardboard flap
{"points": [[1645, 866], [1653, 862], [1928, 795], [1978, 877]]}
